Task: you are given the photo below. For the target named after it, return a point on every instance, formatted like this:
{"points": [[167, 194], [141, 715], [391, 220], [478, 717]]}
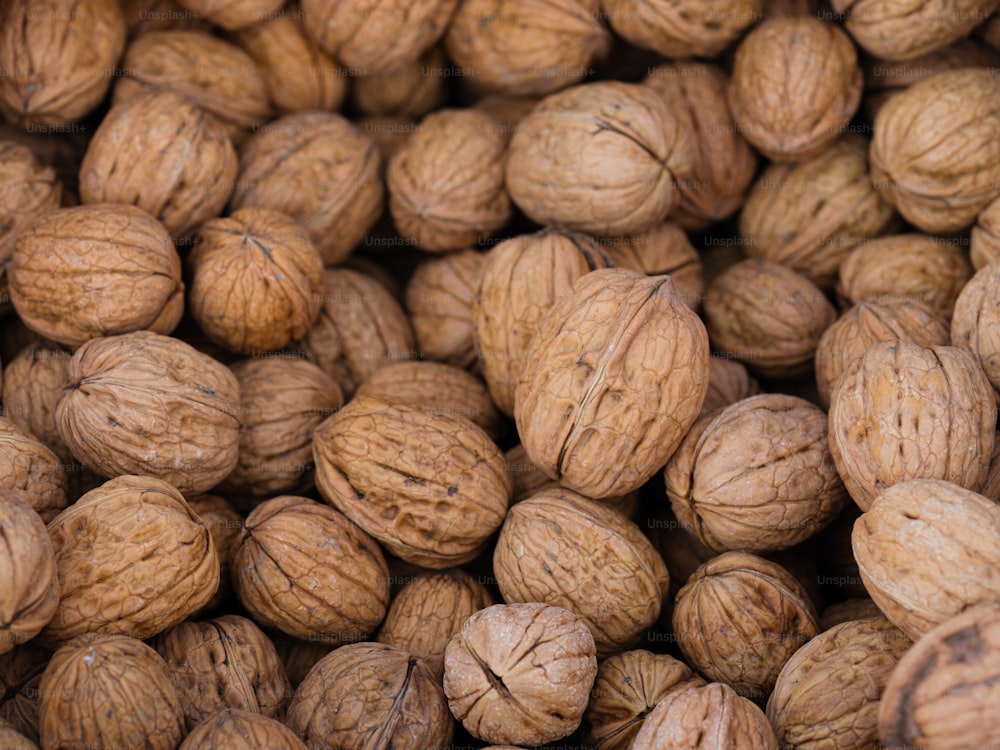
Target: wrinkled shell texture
{"points": [[30, 468], [902, 411], [682, 29], [729, 381], [974, 325], [914, 534], [142, 403], [411, 90], [614, 376], [20, 672], [11, 739], [234, 729], [558, 160], [232, 14], [985, 240], [431, 488], [663, 249], [520, 673], [28, 188], [32, 388], [133, 560], [224, 523]]}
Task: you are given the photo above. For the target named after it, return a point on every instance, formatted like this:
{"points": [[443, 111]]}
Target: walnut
{"points": [[945, 688], [57, 57], [729, 381], [109, 691], [662, 249], [33, 385], [413, 89], [390, 133], [861, 608], [991, 487], [371, 695], [224, 523], [235, 729], [299, 656], [915, 533], [319, 169], [604, 158], [233, 14], [520, 281], [984, 246], [304, 569], [526, 47], [20, 672], [614, 355], [431, 488], [627, 688], [509, 110], [682, 29], [30, 469], [973, 325], [767, 316], [188, 434], [903, 411], [144, 16], [98, 270], [11, 739], [164, 155], [935, 154], [738, 620], [520, 673], [827, 695], [814, 59]]}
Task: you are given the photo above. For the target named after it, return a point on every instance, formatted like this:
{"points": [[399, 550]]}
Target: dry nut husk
{"points": [[903, 411], [142, 403], [411, 90], [29, 468], [233, 14], [984, 246], [235, 729], [729, 381], [974, 323], [611, 359], [224, 523], [682, 29], [520, 673], [33, 385], [663, 249]]}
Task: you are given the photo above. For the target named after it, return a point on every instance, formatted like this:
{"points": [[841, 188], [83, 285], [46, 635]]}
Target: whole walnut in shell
{"points": [[412, 89], [144, 16], [614, 376], [188, 434], [369, 695], [20, 672], [235, 729], [604, 158], [33, 385], [224, 523], [729, 381], [974, 323], [984, 246], [520, 673], [12, 739], [858, 608], [97, 270], [903, 411], [29, 468], [795, 86], [662, 249], [233, 14], [57, 57]]}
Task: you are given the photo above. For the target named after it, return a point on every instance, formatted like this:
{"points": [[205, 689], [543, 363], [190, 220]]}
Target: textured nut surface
{"points": [[224, 523], [31, 470], [615, 375], [20, 672], [682, 29], [520, 673], [859, 608], [984, 247], [410, 90], [32, 387], [663, 249], [974, 322], [729, 381], [235, 729], [12, 739], [232, 14]]}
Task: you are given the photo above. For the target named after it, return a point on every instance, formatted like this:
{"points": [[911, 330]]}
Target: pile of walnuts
{"points": [[431, 374]]}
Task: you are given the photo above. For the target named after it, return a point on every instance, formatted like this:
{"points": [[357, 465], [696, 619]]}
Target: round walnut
{"points": [[868, 323], [704, 718], [903, 411], [944, 690], [429, 610], [233, 14], [814, 59], [224, 523], [57, 58], [410, 90], [166, 156], [729, 381], [224, 663], [133, 559], [98, 270], [367, 695], [563, 549], [234, 729], [257, 280], [613, 378], [738, 620], [29, 582], [682, 29], [767, 316], [142, 403], [520, 673], [935, 154], [11, 739], [521, 279], [974, 323], [144, 16], [602, 157], [628, 686], [985, 241], [20, 672], [304, 569], [663, 249], [917, 533], [29, 468], [390, 133], [526, 47], [33, 385], [758, 476], [319, 169], [432, 488], [109, 691]]}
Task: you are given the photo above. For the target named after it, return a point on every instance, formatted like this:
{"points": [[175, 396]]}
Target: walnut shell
{"points": [[973, 325], [991, 487], [729, 381], [367, 695], [234, 729], [57, 57], [97, 270], [935, 154], [300, 656], [662, 249], [390, 133], [234, 14], [32, 470], [682, 29], [861, 608], [224, 523], [20, 672], [224, 663], [903, 411], [526, 47], [611, 359], [432, 488], [304, 569], [319, 169], [520, 281], [520, 673], [915, 533], [814, 59], [187, 435], [144, 16], [767, 316], [984, 246], [109, 691], [11, 739], [163, 154], [411, 90], [827, 695], [740, 618], [32, 387], [943, 691]]}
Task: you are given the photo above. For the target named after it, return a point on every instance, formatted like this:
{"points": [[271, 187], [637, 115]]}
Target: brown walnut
{"points": [[413, 89], [729, 381], [33, 385], [20, 672], [984, 246], [224, 523], [663, 249], [235, 729], [233, 14], [975, 319], [31, 469]]}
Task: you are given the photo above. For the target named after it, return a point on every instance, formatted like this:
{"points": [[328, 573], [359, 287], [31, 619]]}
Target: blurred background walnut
{"points": [[411, 89], [233, 14], [235, 729], [690, 28], [662, 249]]}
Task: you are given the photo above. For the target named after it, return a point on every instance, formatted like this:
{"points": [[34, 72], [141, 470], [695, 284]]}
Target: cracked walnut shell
{"points": [[234, 729]]}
